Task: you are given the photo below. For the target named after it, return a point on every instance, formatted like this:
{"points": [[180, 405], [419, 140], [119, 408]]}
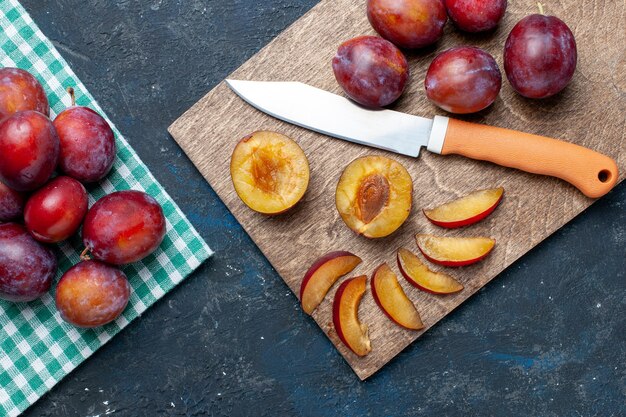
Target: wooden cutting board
{"points": [[589, 112]]}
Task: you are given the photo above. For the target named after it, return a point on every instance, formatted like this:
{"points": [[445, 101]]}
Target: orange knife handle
{"points": [[591, 172]]}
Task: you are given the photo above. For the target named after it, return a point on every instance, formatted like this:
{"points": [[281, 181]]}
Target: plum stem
{"points": [[540, 8], [70, 90], [84, 256]]}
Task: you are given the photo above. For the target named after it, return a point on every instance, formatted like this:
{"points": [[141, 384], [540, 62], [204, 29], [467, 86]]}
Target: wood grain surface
{"points": [[589, 112]]}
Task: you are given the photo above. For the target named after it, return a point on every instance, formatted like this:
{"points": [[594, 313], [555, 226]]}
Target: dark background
{"points": [[547, 337]]}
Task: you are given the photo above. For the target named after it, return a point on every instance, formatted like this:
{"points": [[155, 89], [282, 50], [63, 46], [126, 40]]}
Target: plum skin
{"points": [[29, 150], [476, 15], [540, 56], [124, 227], [92, 294], [54, 213], [463, 80], [26, 267], [19, 91], [87, 144], [409, 24], [11, 203], [371, 70]]}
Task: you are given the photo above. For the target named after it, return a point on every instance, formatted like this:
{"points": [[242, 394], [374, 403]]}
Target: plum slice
{"points": [[466, 210], [392, 299], [454, 251], [418, 275], [350, 330], [322, 275]]}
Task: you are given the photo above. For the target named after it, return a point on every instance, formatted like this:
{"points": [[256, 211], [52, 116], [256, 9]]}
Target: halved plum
{"points": [[454, 251], [466, 210], [423, 278], [350, 330], [392, 299], [374, 196], [322, 275], [270, 172]]}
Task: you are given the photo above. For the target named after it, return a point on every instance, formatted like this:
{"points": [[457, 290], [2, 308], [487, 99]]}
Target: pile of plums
{"points": [[120, 228], [539, 55]]}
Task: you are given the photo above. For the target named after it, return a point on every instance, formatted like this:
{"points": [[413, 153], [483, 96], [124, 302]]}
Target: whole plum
{"points": [[124, 227], [87, 143], [476, 15], [540, 56], [29, 150], [55, 211], [463, 80], [408, 24], [11, 203], [26, 267], [371, 70], [20, 91], [92, 294]]}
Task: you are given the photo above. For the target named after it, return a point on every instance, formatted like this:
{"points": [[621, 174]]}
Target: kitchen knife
{"points": [[591, 172]]}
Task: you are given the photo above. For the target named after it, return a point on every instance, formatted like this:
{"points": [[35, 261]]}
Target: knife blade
{"points": [[591, 172]]}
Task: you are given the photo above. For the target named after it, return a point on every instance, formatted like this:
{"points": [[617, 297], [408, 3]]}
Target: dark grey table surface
{"points": [[546, 338]]}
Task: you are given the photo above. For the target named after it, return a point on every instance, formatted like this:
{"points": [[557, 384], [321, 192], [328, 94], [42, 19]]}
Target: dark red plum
{"points": [[409, 24], [371, 70], [54, 212], [476, 15], [124, 227], [26, 266], [540, 56], [11, 203], [20, 91], [92, 294], [29, 150], [463, 80], [87, 143]]}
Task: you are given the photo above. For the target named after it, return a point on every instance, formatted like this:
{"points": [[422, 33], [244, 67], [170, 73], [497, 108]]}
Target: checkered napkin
{"points": [[37, 349]]}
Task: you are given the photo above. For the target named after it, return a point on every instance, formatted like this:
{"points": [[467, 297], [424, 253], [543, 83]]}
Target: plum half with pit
{"points": [[540, 56], [20, 91], [92, 294], [463, 80], [54, 212], [124, 227], [371, 70], [26, 266], [87, 143], [476, 15], [374, 196], [409, 24], [29, 150], [11, 203]]}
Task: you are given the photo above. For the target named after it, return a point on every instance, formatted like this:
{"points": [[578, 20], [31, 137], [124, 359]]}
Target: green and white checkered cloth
{"points": [[37, 349]]}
